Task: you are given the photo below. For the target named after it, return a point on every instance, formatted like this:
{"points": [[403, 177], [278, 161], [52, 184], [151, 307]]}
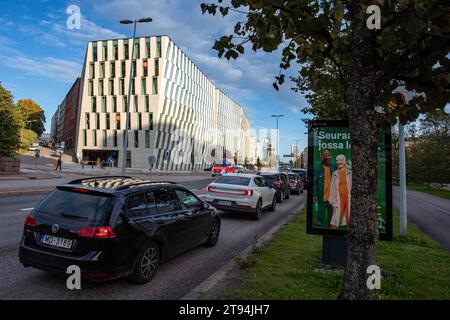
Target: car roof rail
{"points": [[79, 181], [136, 184]]}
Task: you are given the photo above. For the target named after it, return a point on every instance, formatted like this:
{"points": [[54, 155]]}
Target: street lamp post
{"points": [[127, 120], [296, 152], [278, 135]]}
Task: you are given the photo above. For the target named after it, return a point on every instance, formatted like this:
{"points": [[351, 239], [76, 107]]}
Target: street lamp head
{"points": [[148, 19], [277, 115], [126, 21]]}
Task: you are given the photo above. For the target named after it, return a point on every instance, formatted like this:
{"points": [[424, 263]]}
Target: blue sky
{"points": [[40, 57]]}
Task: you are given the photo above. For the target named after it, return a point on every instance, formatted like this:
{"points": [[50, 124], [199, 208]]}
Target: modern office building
{"points": [[177, 114]]}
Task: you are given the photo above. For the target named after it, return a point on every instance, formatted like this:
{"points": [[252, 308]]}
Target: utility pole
{"points": [[402, 178]]}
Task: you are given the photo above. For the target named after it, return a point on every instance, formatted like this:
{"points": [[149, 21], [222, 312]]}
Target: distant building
{"points": [[171, 100], [70, 116]]}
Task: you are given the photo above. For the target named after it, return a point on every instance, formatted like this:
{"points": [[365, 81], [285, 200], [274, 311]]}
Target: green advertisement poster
{"points": [[330, 179]]}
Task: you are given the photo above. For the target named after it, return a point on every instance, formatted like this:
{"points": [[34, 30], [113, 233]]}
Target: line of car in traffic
{"points": [[117, 226]]}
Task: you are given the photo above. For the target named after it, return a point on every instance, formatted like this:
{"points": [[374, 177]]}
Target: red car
{"points": [[220, 168]]}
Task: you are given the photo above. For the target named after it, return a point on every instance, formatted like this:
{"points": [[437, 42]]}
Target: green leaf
{"points": [[240, 48]]}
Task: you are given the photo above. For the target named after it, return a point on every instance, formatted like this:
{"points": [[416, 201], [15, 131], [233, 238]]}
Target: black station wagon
{"points": [[114, 227]]}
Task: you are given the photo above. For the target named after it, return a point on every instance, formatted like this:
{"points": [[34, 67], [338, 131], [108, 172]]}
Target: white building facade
{"points": [[177, 114]]}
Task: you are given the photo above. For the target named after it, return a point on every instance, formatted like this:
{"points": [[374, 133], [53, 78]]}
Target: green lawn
{"points": [[434, 191], [415, 267]]}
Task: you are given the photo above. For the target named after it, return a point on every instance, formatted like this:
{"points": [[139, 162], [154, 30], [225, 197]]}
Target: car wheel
{"points": [[258, 211], [288, 195], [301, 191], [274, 204], [213, 234], [147, 262]]}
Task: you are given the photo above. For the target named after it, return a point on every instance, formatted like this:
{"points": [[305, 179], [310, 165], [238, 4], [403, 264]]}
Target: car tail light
{"points": [[277, 182], [210, 189], [97, 232], [248, 193], [30, 221]]}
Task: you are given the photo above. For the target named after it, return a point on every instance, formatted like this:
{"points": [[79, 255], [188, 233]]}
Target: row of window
{"points": [[112, 91], [112, 69], [106, 54], [114, 104], [104, 138], [117, 121]]}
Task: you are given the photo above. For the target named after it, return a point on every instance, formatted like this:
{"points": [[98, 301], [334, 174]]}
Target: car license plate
{"points": [[225, 203], [56, 241]]}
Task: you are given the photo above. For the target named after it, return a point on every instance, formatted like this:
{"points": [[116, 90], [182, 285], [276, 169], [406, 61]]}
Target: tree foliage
{"points": [[10, 124], [411, 49], [428, 150], [350, 71], [31, 111]]}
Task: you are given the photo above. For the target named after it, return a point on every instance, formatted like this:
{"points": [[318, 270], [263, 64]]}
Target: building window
{"points": [[122, 86], [155, 85], [102, 70], [91, 87], [134, 68], [156, 67], [136, 50], [103, 104], [118, 121], [105, 51], [128, 120], [158, 46], [147, 103], [114, 104], [104, 140], [136, 138], [150, 120], [94, 138], [111, 87], [147, 138], [94, 104], [139, 121], [147, 44], [145, 67], [124, 69], [115, 50], [112, 68], [97, 121], [100, 87], [85, 137], [94, 51], [125, 104], [126, 49], [143, 86], [108, 121], [133, 86], [92, 71], [88, 122], [115, 138], [136, 109]]}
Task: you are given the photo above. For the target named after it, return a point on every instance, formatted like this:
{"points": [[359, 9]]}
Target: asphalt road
{"points": [[429, 213], [174, 279]]}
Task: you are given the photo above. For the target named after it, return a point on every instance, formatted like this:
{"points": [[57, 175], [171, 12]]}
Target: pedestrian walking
{"points": [[58, 164]]}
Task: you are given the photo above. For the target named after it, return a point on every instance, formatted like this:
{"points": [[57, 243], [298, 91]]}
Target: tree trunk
{"points": [[363, 231]]}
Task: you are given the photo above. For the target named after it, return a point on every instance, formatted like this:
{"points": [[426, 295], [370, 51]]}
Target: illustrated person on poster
{"points": [[341, 186], [322, 177]]}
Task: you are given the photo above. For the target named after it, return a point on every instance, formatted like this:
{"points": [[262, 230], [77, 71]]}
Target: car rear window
{"points": [[75, 205], [238, 181], [269, 176], [292, 177]]}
